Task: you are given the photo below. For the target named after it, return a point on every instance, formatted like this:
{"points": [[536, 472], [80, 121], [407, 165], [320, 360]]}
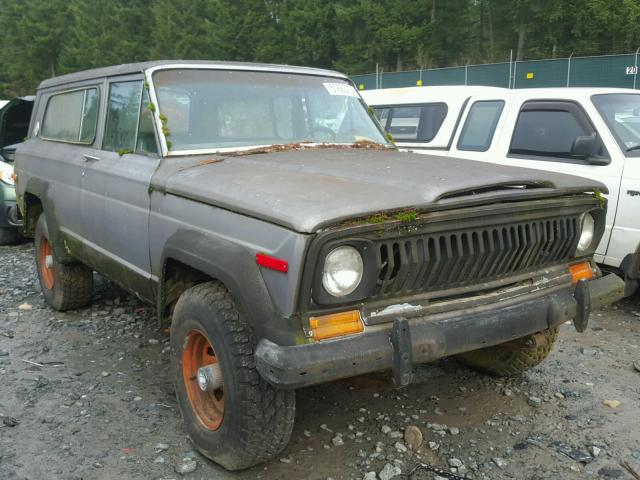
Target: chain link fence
{"points": [[619, 71]]}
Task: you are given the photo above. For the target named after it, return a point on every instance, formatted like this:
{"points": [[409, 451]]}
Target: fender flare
{"points": [[234, 266]]}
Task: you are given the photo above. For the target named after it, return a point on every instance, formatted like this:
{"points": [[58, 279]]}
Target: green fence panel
{"points": [[493, 75], [443, 76], [365, 82], [602, 71], [400, 79], [541, 73]]}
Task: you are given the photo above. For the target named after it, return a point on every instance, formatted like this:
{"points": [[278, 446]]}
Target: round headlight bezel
{"points": [[353, 265], [587, 235]]}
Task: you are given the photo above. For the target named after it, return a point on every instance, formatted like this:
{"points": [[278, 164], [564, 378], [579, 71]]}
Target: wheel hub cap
{"points": [[210, 378]]}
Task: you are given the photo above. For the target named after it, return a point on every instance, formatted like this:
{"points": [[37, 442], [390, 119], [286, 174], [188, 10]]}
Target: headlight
{"points": [[6, 173], [586, 237], [342, 272]]}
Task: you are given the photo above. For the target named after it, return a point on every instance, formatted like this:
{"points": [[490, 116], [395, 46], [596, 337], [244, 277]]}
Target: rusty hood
{"points": [[310, 189]]}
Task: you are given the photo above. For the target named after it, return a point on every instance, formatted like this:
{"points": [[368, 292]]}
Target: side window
{"points": [[146, 138], [549, 130], [71, 116], [418, 123], [404, 123], [123, 113], [382, 114], [480, 125]]}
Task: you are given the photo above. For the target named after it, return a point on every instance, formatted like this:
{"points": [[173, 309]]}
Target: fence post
{"points": [[510, 66], [466, 74], [635, 73], [569, 70], [515, 73]]}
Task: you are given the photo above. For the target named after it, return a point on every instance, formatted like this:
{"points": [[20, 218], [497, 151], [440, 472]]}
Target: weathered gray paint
{"points": [[136, 68], [126, 216], [307, 190]]}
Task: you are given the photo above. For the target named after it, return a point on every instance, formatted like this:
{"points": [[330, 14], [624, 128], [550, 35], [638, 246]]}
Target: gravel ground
{"points": [[85, 395]]}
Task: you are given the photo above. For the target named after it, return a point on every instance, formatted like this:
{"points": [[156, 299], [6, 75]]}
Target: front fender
{"points": [[233, 265]]}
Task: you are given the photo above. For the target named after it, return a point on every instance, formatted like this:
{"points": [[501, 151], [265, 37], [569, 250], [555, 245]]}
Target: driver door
{"points": [[115, 188]]}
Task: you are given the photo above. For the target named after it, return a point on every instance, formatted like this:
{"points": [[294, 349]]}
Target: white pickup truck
{"points": [[590, 132]]}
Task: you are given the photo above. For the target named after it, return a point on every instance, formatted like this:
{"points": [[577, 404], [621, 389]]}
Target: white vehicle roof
{"points": [[457, 94], [3, 103]]}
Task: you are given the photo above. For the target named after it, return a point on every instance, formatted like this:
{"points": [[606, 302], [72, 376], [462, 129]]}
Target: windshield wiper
{"points": [[631, 149]]}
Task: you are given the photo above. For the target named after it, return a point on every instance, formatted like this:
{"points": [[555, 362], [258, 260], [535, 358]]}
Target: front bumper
{"points": [[424, 339], [9, 217]]}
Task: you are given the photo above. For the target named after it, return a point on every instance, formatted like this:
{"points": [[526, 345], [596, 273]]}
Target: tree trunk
{"points": [[399, 63], [491, 39], [522, 33], [481, 35], [433, 11]]}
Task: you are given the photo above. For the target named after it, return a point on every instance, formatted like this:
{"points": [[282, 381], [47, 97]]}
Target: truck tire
{"points": [[244, 422], [512, 358], [9, 236], [65, 286]]}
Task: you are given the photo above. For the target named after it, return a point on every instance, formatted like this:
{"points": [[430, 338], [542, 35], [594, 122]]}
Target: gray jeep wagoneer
{"points": [[264, 212]]}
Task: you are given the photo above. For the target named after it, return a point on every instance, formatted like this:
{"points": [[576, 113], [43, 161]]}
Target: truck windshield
{"points": [[621, 112], [223, 109]]}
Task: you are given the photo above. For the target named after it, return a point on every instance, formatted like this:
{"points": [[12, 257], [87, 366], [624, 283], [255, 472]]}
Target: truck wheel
{"points": [[9, 236], [65, 286], [514, 357], [232, 415]]}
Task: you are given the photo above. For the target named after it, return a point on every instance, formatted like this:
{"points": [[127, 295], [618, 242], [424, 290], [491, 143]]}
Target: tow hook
{"points": [[582, 295], [210, 377]]}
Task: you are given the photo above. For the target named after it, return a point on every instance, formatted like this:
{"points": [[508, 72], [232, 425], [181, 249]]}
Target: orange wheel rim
{"points": [[46, 273], [208, 406]]}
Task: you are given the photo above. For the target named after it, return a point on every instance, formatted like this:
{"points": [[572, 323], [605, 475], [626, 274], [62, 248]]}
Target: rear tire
{"points": [[65, 286], [513, 358], [246, 421], [9, 236]]}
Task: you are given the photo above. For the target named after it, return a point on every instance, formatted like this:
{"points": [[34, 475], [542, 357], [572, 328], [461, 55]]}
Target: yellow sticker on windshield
{"points": [[341, 89]]}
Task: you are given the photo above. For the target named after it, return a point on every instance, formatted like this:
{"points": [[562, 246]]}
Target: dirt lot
{"points": [[85, 395]]}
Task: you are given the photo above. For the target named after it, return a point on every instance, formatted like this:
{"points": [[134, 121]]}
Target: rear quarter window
{"points": [[71, 116], [480, 125]]}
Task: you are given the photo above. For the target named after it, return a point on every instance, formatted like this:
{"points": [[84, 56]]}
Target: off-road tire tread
{"points": [[271, 410], [73, 288], [503, 361]]}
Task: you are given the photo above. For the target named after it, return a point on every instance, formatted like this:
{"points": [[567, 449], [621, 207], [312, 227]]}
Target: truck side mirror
{"points": [[588, 148], [8, 153], [584, 147]]}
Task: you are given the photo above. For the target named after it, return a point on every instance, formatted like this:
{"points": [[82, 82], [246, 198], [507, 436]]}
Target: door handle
{"points": [[90, 158]]}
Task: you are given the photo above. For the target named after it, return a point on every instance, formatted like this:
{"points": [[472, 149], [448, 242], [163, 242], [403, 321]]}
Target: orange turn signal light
{"points": [[336, 325], [581, 271]]}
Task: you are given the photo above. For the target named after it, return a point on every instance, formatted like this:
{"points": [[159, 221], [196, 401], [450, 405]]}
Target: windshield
{"points": [[621, 112], [222, 109]]}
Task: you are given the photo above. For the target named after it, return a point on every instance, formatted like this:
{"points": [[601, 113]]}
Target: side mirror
{"points": [[589, 148], [584, 147], [8, 154]]}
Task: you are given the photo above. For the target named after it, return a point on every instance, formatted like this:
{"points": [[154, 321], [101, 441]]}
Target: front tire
{"points": [[512, 358], [244, 422], [65, 286]]}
